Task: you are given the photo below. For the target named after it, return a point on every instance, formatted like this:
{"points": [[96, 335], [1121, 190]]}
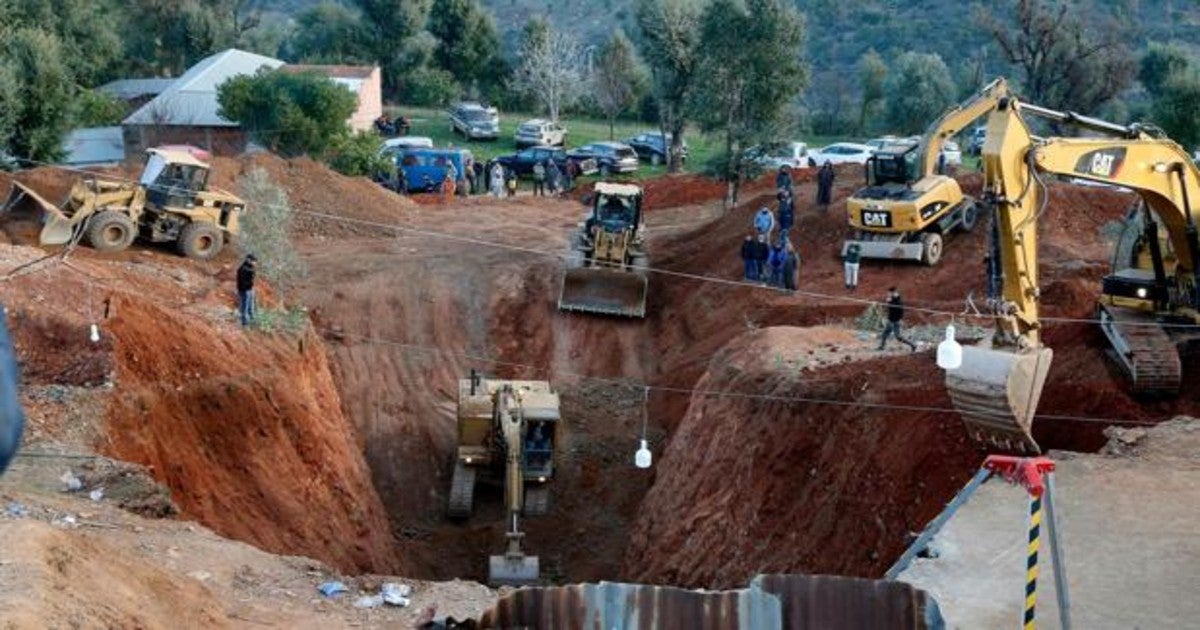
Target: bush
{"points": [[97, 109], [428, 87], [265, 231], [358, 155]]}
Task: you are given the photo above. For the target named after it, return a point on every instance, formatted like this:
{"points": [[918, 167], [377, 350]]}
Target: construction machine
{"points": [[170, 202], [606, 267], [908, 206], [1149, 305], [507, 431]]}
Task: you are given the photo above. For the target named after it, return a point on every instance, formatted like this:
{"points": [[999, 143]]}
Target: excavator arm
{"points": [[999, 384], [955, 120], [512, 567]]}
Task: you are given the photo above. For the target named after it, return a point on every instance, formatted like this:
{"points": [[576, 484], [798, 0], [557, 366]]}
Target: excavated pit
{"points": [[294, 458]]}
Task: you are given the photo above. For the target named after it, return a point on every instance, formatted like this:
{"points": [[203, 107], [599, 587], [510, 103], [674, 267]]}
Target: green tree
{"points": [[291, 114], [468, 47], [918, 89], [743, 43], [615, 77], [1174, 108], [37, 97], [872, 73], [97, 109], [668, 39], [1067, 60], [88, 32], [1160, 64], [396, 37], [165, 37], [265, 231], [358, 155], [329, 33]]}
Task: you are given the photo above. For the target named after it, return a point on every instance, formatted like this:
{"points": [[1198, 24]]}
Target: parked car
{"points": [[425, 169], [950, 149], [610, 157], [841, 153], [396, 145], [652, 146], [540, 132], [952, 153], [775, 155], [879, 143], [474, 121], [975, 145]]}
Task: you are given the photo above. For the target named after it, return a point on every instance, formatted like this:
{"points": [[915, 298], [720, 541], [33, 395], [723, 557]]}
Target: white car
{"points": [[952, 153], [538, 132], [841, 153], [793, 154]]}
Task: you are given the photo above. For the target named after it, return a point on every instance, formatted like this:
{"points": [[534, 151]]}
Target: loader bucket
{"points": [[57, 228], [997, 393], [513, 569], [604, 291]]}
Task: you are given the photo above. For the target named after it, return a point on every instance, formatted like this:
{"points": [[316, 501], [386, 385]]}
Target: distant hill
{"points": [[842, 30]]}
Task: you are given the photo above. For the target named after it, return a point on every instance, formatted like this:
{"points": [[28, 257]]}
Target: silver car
{"points": [[538, 131], [474, 121]]}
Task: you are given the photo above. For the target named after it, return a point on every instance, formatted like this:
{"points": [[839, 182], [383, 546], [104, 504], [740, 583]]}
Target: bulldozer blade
{"points": [[513, 570], [57, 228], [997, 393], [603, 291]]}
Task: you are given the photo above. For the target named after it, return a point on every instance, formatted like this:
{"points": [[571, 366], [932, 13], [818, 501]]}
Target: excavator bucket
{"points": [[997, 393], [603, 291], [57, 228], [513, 569]]}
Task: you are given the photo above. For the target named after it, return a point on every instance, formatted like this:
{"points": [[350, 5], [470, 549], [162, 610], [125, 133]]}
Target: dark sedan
{"points": [[522, 161], [610, 157], [652, 146]]}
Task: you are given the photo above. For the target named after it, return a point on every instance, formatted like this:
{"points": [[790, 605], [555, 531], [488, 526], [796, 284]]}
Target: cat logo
{"points": [[1101, 163], [876, 218]]}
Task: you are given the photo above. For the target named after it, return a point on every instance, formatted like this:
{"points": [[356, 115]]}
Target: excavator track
{"points": [[537, 500], [1143, 349], [462, 491]]}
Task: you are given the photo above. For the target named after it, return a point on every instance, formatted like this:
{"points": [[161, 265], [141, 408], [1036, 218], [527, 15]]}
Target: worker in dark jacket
{"points": [[787, 213], [783, 178], [791, 268], [762, 252], [748, 266], [825, 179], [12, 419], [895, 313], [851, 260], [245, 288]]}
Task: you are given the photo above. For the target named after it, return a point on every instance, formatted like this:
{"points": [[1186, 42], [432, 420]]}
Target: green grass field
{"points": [[435, 124]]}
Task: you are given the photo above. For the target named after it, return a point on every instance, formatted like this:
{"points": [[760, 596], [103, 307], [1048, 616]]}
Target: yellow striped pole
{"points": [[1031, 567]]}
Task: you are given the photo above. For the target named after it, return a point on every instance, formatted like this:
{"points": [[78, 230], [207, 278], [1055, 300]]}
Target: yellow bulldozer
{"points": [[507, 431], [1149, 306], [908, 207], [170, 203], [606, 267]]}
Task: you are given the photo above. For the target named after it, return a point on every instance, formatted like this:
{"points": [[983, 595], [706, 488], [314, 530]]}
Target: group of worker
{"points": [[770, 258]]}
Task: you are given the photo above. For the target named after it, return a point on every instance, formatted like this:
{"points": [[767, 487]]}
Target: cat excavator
{"points": [[1149, 306], [507, 431], [908, 206]]}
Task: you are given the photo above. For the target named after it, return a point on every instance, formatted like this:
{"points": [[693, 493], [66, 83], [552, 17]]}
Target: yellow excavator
{"points": [[606, 267], [171, 202], [1149, 305], [908, 206], [507, 430]]}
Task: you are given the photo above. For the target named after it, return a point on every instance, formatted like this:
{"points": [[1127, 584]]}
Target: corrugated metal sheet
{"points": [[831, 601], [614, 606], [130, 89], [772, 601], [94, 146], [191, 101]]}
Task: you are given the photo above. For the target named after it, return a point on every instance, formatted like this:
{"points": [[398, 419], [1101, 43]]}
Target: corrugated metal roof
{"points": [[94, 146], [134, 88], [808, 602], [191, 101]]}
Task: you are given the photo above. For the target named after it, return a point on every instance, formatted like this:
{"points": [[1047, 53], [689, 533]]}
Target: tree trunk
{"points": [[675, 157]]}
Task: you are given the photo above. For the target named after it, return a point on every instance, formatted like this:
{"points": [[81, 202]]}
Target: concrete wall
{"points": [[370, 103]]}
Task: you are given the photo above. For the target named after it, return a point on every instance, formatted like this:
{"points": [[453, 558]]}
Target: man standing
{"points": [[764, 221], [553, 177], [479, 184], [776, 260], [783, 178], [895, 313], [791, 268], [853, 255], [825, 186], [539, 180], [497, 180], [762, 251], [787, 213], [748, 265], [247, 309]]}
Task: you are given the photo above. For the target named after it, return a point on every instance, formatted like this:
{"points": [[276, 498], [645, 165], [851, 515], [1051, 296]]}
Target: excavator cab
{"points": [[606, 268]]}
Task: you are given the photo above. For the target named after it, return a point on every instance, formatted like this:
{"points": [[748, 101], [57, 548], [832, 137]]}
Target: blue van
{"points": [[425, 169]]}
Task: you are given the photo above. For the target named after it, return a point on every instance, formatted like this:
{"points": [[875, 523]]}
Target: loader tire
{"points": [[931, 248], [970, 214], [111, 231], [462, 492], [201, 241]]}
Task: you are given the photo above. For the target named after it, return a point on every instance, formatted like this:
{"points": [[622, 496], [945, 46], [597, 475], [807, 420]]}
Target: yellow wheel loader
{"points": [[606, 266], [908, 207], [1149, 306], [507, 431], [170, 203]]}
